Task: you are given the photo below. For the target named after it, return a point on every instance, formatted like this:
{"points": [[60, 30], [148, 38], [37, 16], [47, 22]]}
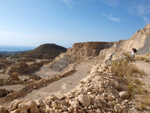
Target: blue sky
{"points": [[64, 22]]}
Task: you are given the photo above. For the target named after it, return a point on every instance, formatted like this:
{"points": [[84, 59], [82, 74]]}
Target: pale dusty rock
{"points": [[48, 109], [84, 99], [118, 108], [51, 97], [14, 105], [74, 104], [27, 104], [3, 109], [123, 94], [15, 111], [97, 100], [23, 111], [59, 96], [56, 104], [125, 102], [65, 108], [39, 103]]}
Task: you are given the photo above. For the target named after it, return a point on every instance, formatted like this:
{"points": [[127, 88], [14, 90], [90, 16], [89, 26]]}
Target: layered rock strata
{"points": [[79, 52]]}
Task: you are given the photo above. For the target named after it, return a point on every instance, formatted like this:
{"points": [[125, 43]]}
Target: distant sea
{"points": [[15, 48]]}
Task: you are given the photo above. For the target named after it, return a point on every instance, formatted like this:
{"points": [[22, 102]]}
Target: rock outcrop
{"points": [[146, 48], [137, 40], [79, 52]]}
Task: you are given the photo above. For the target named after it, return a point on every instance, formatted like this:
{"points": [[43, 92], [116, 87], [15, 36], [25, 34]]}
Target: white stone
{"points": [[118, 108], [123, 94], [14, 105], [84, 99]]}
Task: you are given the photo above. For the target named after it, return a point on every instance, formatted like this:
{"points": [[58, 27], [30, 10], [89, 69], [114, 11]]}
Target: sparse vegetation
{"points": [[122, 68], [23, 68], [143, 102], [142, 59], [138, 82], [125, 73]]}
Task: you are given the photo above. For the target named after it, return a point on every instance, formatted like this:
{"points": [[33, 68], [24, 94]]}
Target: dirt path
{"points": [[64, 85], [146, 68], [141, 99], [12, 87]]}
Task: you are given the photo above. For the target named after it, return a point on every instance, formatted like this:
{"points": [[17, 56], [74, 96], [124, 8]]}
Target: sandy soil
{"points": [[146, 80], [45, 71], [146, 68], [12, 87], [4, 76], [64, 85]]}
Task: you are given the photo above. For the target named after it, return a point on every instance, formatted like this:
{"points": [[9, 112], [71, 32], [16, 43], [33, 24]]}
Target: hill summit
{"points": [[45, 51]]}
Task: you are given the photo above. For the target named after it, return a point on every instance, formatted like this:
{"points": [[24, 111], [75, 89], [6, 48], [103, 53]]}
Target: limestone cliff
{"points": [[137, 40]]}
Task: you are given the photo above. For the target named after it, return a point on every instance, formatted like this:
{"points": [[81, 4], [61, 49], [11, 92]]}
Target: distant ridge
{"points": [[45, 51]]}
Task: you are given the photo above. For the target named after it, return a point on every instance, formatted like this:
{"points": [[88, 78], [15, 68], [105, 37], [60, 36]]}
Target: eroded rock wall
{"points": [[79, 52], [137, 40]]}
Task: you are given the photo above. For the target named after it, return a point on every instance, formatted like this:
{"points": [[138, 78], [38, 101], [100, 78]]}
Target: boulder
{"points": [[28, 105], [74, 104], [85, 100], [14, 105]]}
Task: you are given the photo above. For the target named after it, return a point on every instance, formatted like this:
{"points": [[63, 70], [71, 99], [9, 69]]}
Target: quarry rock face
{"points": [[88, 49], [79, 52], [137, 40]]}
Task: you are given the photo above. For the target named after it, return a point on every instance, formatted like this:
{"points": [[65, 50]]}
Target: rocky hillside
{"points": [[45, 51], [146, 48], [137, 40], [79, 52]]}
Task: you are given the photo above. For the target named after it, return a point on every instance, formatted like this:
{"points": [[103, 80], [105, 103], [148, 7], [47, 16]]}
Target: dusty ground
{"points": [[146, 68], [4, 76], [12, 87], [64, 85], [143, 98], [45, 71]]}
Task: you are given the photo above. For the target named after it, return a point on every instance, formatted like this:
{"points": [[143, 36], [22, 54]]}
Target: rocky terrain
{"points": [[137, 40], [114, 83], [79, 52]]}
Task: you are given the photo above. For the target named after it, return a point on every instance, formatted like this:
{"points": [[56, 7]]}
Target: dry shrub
{"points": [[140, 107], [142, 59], [138, 82], [142, 73], [23, 68], [128, 56], [124, 72], [130, 90], [122, 68], [138, 90], [143, 103]]}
